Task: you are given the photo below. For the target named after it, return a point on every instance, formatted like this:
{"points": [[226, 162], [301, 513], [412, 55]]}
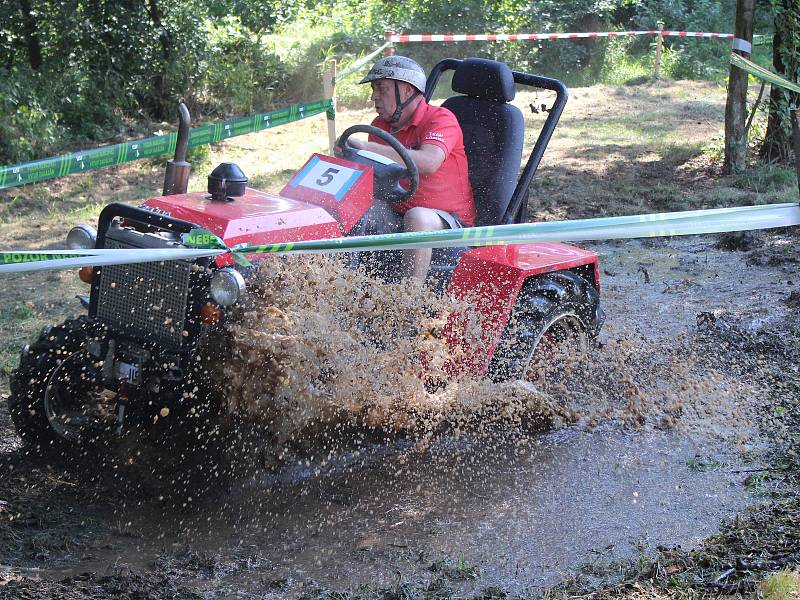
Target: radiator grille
{"points": [[145, 300]]}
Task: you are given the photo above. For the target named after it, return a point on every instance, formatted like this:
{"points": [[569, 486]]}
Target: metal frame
{"points": [[516, 206]]}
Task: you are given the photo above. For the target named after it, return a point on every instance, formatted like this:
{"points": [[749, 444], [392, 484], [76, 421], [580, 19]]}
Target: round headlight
{"points": [[81, 237], [227, 286]]}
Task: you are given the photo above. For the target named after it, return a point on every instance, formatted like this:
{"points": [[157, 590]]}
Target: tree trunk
{"points": [[736, 105], [777, 144], [29, 27], [796, 139], [160, 101]]}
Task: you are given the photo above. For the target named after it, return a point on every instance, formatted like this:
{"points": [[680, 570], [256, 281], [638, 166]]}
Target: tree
{"points": [[736, 105], [777, 145], [31, 36]]}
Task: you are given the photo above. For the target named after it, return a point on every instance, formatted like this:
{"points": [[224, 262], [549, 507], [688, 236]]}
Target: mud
{"points": [[643, 443]]}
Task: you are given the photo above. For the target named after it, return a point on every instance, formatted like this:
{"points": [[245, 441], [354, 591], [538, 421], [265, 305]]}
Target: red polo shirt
{"points": [[448, 188]]}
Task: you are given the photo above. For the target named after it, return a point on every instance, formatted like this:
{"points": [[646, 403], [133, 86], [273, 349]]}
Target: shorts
{"points": [[452, 221]]}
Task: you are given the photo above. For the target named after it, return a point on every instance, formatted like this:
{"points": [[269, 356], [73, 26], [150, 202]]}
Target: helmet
{"points": [[399, 68]]}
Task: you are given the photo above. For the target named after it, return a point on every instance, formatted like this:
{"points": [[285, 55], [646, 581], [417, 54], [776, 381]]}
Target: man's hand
{"points": [[352, 142]]}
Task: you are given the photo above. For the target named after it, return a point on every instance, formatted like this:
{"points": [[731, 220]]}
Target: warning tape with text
{"points": [[106, 156]]}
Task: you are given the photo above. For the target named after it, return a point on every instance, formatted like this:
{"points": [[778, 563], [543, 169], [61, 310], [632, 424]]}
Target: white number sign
{"points": [[324, 176]]}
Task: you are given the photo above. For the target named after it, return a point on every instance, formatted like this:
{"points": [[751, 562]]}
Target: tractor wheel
{"points": [[55, 401], [551, 321]]}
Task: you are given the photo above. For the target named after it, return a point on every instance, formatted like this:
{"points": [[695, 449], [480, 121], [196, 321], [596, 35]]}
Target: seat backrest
{"points": [[493, 133]]}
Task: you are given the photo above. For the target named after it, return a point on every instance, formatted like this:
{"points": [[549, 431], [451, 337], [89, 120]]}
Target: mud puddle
{"points": [[515, 514], [659, 287], [662, 432]]}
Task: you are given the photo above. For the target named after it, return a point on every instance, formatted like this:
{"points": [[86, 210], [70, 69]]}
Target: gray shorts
{"points": [[382, 218], [452, 221]]}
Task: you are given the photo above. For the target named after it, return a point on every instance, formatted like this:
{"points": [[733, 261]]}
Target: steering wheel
{"points": [[387, 176]]}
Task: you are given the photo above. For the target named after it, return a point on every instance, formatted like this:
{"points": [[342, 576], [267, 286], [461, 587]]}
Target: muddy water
{"points": [[644, 445], [517, 515], [657, 287]]}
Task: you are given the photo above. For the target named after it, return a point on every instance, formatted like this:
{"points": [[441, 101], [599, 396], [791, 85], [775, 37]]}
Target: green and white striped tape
{"points": [[690, 222], [106, 156], [762, 73]]}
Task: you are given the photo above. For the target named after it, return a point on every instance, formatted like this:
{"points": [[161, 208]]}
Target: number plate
{"points": [[128, 372], [327, 177]]}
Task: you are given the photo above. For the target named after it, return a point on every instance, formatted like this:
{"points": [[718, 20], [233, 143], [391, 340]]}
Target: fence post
{"points": [[329, 86], [659, 42], [390, 47]]}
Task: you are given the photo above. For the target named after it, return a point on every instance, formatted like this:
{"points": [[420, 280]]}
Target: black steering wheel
{"points": [[387, 176]]}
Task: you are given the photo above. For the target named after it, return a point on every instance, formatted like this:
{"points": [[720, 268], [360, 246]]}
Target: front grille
{"points": [[147, 300]]}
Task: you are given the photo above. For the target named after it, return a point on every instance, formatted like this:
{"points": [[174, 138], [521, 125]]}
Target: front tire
{"points": [[55, 392], [554, 318]]}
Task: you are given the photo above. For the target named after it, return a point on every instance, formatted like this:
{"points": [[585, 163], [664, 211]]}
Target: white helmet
{"points": [[399, 68]]}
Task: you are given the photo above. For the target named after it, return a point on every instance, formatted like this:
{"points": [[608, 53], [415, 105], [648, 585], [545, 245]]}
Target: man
{"points": [[435, 142]]}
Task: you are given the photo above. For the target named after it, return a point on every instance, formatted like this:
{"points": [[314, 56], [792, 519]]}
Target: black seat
{"points": [[493, 133]]}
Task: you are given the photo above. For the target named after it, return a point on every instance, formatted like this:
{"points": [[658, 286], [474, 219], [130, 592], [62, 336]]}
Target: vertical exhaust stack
{"points": [[176, 178]]}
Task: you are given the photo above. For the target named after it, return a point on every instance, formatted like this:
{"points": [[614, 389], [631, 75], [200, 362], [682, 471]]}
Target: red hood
{"points": [[256, 218]]}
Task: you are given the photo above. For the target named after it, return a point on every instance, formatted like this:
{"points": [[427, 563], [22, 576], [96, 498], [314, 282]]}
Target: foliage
{"points": [[26, 127], [76, 71]]}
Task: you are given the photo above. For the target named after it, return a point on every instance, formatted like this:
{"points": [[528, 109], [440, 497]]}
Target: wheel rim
{"points": [[562, 341], [72, 400]]}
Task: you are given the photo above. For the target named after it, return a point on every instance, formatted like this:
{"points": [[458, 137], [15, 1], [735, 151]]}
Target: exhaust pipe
{"points": [[176, 178]]}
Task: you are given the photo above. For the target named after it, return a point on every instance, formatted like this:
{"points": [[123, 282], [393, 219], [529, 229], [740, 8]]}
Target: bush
{"points": [[27, 128], [243, 73]]}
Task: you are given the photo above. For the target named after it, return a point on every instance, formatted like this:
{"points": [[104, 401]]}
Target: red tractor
{"points": [[136, 350]]}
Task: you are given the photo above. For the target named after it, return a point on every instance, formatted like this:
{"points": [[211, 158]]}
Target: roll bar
{"points": [[534, 81]]}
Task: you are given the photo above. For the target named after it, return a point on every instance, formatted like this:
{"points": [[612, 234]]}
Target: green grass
{"points": [[783, 585], [769, 178], [698, 465], [17, 325]]}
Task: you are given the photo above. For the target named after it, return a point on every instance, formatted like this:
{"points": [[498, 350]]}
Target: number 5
{"points": [[327, 176]]}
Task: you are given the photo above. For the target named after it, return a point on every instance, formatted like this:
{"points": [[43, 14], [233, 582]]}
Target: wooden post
{"points": [[329, 85], [390, 47], [659, 44], [736, 104]]}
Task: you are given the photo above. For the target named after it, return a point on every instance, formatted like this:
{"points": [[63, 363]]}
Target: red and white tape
{"points": [[519, 37]]}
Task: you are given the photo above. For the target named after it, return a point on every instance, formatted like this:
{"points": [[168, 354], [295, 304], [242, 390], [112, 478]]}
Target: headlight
{"points": [[81, 237], [227, 285]]}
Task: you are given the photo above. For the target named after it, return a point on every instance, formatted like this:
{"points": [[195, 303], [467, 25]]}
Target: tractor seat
{"points": [[493, 135]]}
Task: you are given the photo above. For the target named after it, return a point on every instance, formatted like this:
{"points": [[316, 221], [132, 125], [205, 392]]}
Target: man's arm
{"points": [[428, 158]]}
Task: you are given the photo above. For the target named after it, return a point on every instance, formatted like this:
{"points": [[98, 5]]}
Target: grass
{"points": [[783, 585], [699, 465], [770, 178]]}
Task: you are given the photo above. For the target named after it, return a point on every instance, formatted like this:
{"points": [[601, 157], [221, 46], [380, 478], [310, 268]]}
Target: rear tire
{"points": [[554, 316], [49, 390]]}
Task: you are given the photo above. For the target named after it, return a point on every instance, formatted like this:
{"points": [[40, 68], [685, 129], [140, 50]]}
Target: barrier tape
{"points": [[359, 63], [518, 37], [604, 228], [692, 222], [24, 261], [762, 73], [106, 156]]}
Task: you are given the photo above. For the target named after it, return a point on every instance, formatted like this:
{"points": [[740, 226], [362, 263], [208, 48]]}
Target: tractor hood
{"points": [[256, 218]]}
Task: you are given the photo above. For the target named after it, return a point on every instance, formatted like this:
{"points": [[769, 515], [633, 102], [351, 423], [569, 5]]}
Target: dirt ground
{"points": [[677, 475]]}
